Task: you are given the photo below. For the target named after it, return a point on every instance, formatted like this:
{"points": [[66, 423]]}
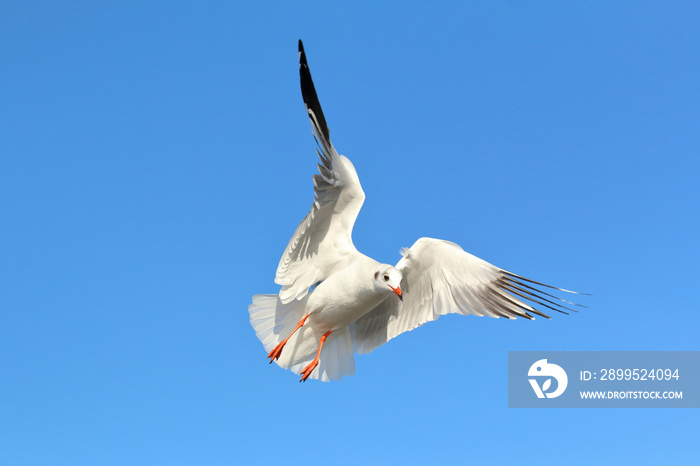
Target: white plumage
{"points": [[335, 300]]}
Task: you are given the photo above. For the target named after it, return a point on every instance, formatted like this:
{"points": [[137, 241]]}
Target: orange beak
{"points": [[397, 292]]}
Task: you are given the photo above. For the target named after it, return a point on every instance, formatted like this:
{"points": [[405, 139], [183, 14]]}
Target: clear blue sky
{"points": [[155, 158]]}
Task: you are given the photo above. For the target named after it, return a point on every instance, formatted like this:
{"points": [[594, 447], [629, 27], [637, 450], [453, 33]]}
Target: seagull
{"points": [[335, 301]]}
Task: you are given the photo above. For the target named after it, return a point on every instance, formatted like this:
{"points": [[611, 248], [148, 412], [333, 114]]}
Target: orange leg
{"points": [[277, 351], [310, 368]]}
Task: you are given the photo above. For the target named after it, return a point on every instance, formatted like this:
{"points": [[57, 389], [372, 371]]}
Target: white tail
{"points": [[273, 321]]}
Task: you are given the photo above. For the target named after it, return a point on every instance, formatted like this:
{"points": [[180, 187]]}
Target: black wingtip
{"points": [[308, 93], [302, 58]]}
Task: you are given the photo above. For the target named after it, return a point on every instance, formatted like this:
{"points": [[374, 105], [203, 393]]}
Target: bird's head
{"points": [[388, 278]]}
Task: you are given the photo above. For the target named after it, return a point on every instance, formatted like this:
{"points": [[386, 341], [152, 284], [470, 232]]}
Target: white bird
{"points": [[335, 300]]}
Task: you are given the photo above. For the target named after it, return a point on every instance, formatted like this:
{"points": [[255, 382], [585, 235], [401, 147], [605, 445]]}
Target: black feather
{"points": [[308, 93]]}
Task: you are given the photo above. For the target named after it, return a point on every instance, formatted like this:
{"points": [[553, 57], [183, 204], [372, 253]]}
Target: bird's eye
{"points": [[386, 277]]}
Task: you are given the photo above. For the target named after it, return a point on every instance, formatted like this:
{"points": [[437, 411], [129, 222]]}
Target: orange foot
{"points": [[310, 368], [277, 351]]}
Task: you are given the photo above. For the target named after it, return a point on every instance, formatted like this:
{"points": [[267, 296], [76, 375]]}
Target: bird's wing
{"points": [[324, 236], [439, 278]]}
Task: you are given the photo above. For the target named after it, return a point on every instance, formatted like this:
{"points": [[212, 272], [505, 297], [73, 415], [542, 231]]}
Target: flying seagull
{"points": [[336, 301]]}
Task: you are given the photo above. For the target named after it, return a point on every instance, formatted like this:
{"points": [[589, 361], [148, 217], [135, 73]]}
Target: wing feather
{"points": [[439, 278], [324, 237]]}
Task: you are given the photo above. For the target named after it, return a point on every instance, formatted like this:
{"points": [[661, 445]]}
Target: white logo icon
{"points": [[543, 369]]}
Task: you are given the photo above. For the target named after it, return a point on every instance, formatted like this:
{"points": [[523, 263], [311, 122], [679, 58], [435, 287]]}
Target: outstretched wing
{"points": [[439, 278], [324, 237]]}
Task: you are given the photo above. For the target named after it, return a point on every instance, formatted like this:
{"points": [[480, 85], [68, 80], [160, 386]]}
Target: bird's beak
{"points": [[397, 292]]}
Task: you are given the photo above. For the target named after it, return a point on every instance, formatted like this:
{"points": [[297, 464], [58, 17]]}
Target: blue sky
{"points": [[155, 158]]}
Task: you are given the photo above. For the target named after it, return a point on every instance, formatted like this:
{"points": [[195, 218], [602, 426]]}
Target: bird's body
{"points": [[342, 298], [336, 301]]}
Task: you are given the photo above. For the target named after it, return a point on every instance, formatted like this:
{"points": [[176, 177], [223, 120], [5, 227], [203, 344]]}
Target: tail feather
{"points": [[337, 359], [273, 321]]}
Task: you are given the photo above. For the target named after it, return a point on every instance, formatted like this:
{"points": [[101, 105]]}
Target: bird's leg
{"points": [[277, 351], [310, 368]]}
